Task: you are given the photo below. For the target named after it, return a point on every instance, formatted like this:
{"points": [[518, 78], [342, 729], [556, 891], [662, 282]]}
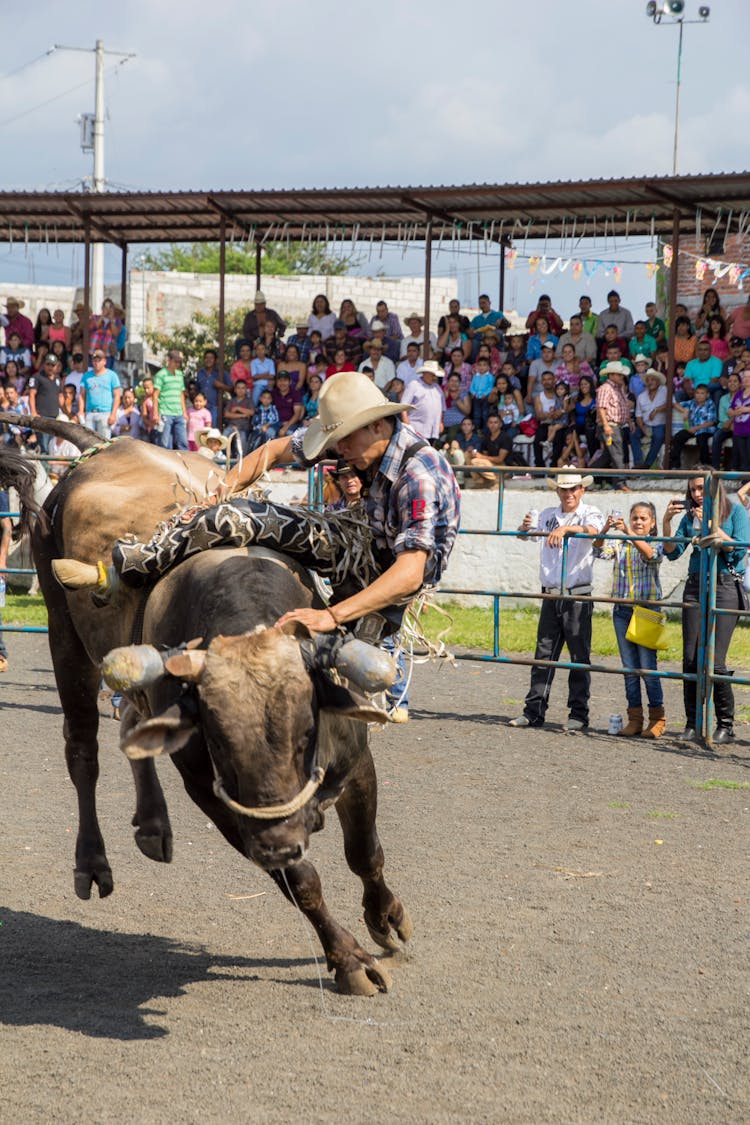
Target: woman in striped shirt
{"points": [[636, 576]]}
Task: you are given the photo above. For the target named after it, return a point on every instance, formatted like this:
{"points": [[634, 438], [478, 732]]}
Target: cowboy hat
{"points": [[341, 466], [15, 301], [614, 368], [640, 358], [432, 367], [260, 297], [569, 477], [347, 402], [659, 375], [413, 316], [206, 435]]}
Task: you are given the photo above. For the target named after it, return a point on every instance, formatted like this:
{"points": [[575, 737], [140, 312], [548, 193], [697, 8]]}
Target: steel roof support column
{"points": [[124, 282], [222, 326], [257, 264], [673, 273], [426, 347], [501, 284], [86, 289]]}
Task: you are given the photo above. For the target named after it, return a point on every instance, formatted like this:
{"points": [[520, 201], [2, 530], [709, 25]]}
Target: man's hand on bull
{"points": [[316, 620]]}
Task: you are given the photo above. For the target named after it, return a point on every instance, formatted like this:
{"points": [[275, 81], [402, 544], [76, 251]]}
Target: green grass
{"points": [[717, 783], [659, 814], [20, 609], [618, 805], [472, 628]]}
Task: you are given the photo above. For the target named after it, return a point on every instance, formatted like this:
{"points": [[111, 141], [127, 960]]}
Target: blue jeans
{"points": [[96, 420], [636, 656], [398, 694], [658, 434], [174, 434], [3, 649]]}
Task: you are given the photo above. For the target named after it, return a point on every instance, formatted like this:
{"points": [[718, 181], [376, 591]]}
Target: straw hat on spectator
{"points": [[431, 367], [413, 316], [614, 367], [659, 375], [347, 402], [567, 476], [260, 297], [211, 434], [15, 301], [640, 358]]}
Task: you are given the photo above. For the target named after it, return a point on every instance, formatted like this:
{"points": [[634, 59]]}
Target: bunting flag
{"points": [[700, 269], [668, 255], [534, 264], [617, 274], [577, 270], [651, 269], [510, 258]]}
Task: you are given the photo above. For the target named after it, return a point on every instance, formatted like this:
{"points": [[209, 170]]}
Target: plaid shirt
{"points": [[416, 506], [700, 413], [265, 416], [614, 403], [103, 332], [392, 326], [302, 344], [644, 573]]}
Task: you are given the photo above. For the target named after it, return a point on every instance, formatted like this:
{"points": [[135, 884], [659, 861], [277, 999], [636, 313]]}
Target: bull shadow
{"points": [[100, 983]]}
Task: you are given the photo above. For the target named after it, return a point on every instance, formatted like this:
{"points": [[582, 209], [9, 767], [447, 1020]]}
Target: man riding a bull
{"points": [[376, 559]]}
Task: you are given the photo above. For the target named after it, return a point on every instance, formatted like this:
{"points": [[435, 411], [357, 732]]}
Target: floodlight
{"points": [[674, 7], [651, 9], [704, 12]]}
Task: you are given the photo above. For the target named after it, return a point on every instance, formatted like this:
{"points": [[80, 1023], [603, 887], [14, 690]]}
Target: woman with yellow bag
{"points": [[639, 628]]}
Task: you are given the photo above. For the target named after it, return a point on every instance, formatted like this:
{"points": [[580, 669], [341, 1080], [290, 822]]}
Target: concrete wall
{"points": [[163, 300], [484, 562]]}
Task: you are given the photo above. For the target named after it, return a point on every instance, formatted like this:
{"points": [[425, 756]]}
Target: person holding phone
{"points": [[730, 527]]}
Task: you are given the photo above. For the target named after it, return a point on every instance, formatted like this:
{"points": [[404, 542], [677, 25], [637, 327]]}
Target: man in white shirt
{"points": [[616, 314], [382, 367], [408, 369], [426, 397], [414, 323], [562, 620], [650, 417]]}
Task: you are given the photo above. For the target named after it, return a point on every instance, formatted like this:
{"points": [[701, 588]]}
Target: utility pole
{"points": [[93, 141], [675, 9]]}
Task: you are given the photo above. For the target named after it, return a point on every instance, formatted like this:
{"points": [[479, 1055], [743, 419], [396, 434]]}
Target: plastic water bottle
{"points": [[615, 724], [2, 591]]}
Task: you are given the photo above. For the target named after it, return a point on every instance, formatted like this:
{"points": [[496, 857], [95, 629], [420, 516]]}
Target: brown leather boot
{"points": [[634, 725], [657, 723]]}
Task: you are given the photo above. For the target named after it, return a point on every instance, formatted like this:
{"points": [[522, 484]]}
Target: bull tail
{"points": [[79, 435], [19, 472]]}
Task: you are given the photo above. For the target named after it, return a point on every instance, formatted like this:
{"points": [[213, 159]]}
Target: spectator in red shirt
{"points": [[340, 363], [544, 308], [16, 321]]}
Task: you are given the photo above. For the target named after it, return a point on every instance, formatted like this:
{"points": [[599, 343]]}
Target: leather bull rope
{"points": [[270, 812]]}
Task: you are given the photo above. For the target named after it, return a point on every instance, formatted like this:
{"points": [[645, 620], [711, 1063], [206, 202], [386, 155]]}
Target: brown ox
{"points": [[249, 718]]}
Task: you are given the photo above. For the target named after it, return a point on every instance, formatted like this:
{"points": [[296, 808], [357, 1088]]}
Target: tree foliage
{"points": [[277, 258], [202, 332]]}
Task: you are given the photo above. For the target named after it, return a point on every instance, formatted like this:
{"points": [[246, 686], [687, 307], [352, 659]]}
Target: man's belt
{"points": [[580, 590]]}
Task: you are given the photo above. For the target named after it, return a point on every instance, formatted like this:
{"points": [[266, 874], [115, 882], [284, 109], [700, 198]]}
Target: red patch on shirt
{"points": [[418, 508]]}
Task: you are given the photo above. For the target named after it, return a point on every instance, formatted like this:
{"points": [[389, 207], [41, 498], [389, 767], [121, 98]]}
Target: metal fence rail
{"points": [[705, 676]]}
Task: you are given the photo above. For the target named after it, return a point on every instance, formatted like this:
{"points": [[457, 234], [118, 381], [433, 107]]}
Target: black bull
{"points": [[256, 713]]}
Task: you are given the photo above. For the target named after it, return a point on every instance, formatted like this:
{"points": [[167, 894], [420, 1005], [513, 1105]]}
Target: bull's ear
{"points": [[296, 629], [187, 665], [163, 734], [341, 700]]}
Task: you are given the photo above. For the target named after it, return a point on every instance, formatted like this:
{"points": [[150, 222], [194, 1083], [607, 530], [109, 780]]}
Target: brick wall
{"points": [[690, 289]]}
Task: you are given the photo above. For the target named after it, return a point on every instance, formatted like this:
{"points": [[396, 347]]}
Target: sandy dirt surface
{"points": [[580, 952]]}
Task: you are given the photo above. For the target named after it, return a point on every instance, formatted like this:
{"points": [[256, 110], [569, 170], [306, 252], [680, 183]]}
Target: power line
{"points": [[13, 73], [54, 98]]}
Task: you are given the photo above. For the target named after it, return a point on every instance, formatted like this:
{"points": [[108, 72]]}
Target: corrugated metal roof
{"points": [[639, 206]]}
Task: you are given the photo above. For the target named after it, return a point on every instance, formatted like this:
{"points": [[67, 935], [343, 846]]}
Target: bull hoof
{"points": [[83, 881], [367, 980], [157, 848], [398, 920]]}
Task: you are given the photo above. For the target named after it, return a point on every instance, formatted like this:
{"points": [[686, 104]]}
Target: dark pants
{"points": [[729, 595], [717, 444], [680, 440], [561, 621], [741, 453], [614, 451]]}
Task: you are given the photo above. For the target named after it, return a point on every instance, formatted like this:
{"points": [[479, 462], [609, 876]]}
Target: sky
{"points": [[334, 95]]}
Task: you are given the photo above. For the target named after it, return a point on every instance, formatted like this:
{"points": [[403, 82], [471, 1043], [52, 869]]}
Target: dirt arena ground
{"points": [[581, 933]]}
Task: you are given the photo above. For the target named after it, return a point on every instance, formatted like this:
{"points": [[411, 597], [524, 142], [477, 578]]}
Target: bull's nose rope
{"points": [[271, 812]]}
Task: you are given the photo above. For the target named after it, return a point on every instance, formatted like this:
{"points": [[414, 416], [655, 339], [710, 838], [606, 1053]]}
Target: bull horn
{"points": [[132, 666], [368, 667]]}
